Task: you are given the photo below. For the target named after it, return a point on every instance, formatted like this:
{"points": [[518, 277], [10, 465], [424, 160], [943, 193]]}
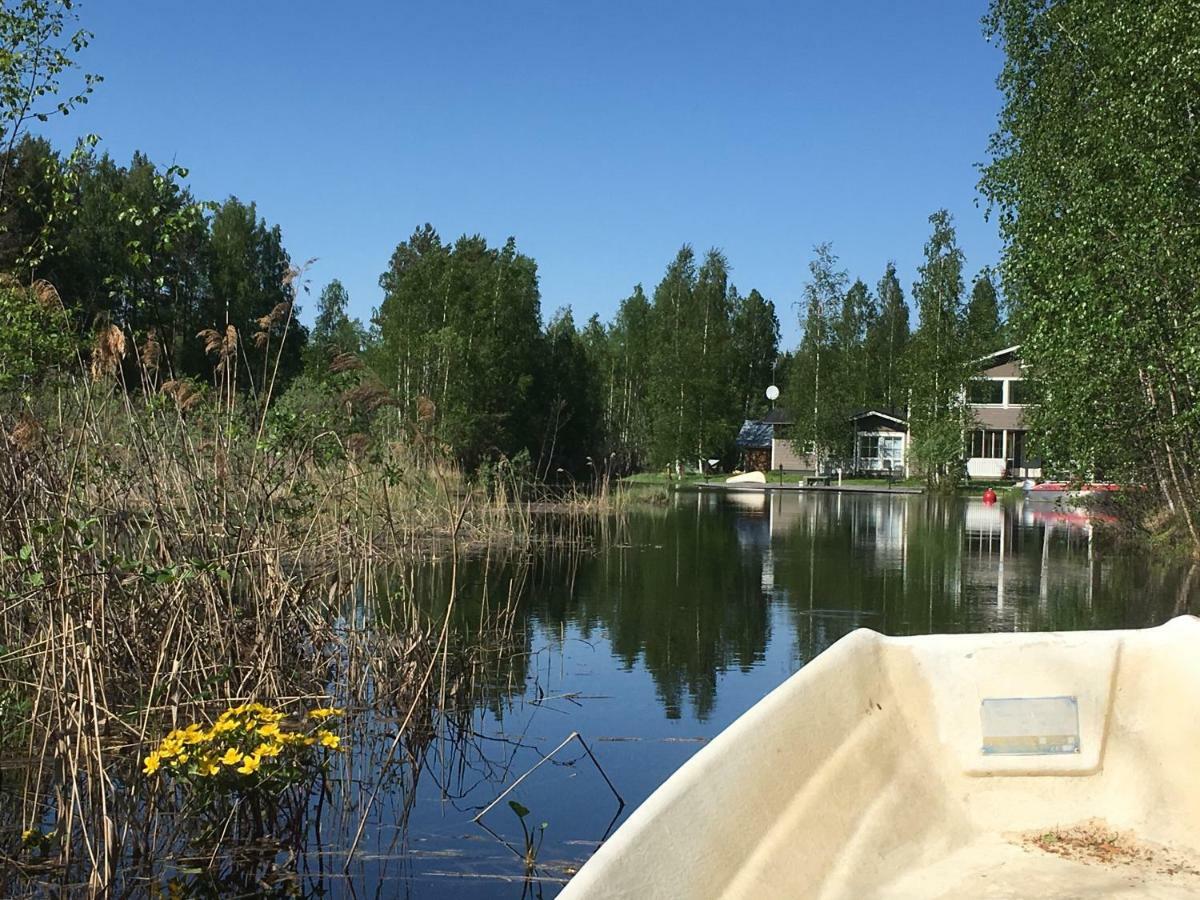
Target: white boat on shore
{"points": [[747, 478], [948, 766]]}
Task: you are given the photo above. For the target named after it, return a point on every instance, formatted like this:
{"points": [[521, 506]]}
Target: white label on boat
{"points": [[1030, 725]]}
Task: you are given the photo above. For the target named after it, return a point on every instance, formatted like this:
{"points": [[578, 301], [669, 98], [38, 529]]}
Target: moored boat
{"points": [[997, 765], [1065, 491]]}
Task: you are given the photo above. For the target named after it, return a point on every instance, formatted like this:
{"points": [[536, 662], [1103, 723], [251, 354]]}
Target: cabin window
{"points": [[879, 448], [987, 444], [984, 390]]}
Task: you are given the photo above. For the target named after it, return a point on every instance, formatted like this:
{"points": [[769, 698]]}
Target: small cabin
{"points": [[881, 440], [765, 445]]}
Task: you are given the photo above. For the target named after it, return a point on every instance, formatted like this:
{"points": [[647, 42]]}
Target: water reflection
{"points": [[668, 626], [677, 622], [693, 591]]}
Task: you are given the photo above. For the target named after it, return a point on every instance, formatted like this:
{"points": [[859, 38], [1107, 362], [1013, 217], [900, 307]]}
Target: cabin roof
{"points": [[867, 412], [755, 435]]}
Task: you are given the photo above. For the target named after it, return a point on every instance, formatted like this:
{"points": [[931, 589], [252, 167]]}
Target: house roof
{"points": [[1007, 351], [864, 413], [755, 435], [779, 416]]}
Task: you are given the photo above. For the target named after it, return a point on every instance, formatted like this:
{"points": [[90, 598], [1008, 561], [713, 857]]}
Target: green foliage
{"points": [[460, 326], [937, 451], [130, 246], [532, 837], [1093, 171], [819, 384], [249, 274], [631, 351], [333, 332], [570, 399], [33, 340], [886, 345], [38, 47], [692, 399], [310, 411], [938, 358], [983, 329], [755, 334]]}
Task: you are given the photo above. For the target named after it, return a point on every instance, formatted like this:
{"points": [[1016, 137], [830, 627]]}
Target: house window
{"points": [[984, 390], [1019, 392], [987, 444], [876, 451]]}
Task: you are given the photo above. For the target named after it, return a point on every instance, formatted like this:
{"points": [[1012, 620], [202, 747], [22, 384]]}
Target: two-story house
{"points": [[997, 398]]}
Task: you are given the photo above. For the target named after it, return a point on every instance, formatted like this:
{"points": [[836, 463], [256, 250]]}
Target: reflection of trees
{"points": [[680, 597], [686, 591]]}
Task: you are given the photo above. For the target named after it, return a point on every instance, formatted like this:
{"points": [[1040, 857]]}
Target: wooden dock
{"points": [[751, 488]]}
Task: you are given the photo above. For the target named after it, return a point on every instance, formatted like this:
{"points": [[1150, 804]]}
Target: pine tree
{"points": [[886, 344], [983, 329]]}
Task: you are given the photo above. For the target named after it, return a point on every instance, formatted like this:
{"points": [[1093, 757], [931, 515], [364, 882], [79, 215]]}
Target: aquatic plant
{"points": [[532, 837], [249, 746]]}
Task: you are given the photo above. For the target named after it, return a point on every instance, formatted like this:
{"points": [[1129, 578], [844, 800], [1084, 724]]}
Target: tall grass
{"points": [[163, 558]]}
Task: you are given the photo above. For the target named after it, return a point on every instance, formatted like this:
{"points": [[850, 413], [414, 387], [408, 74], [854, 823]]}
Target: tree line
{"points": [[858, 351], [460, 337], [128, 245]]}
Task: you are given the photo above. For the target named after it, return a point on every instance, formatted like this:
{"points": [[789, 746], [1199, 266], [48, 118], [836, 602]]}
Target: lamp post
{"points": [[773, 395]]}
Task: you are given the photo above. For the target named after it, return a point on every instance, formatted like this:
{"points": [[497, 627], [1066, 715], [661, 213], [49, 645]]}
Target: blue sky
{"points": [[601, 136]]}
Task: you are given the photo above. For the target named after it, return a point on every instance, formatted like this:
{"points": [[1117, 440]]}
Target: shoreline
{"points": [[752, 488]]}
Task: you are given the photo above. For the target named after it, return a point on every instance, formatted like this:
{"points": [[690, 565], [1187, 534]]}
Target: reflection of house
{"points": [[880, 442], [997, 398], [764, 444]]}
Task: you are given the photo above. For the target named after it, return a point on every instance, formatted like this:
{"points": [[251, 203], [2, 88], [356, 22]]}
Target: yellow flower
{"points": [[193, 734], [29, 834], [181, 759], [223, 725], [270, 748], [329, 739], [324, 712], [232, 757], [271, 729], [209, 765], [250, 764], [169, 748], [151, 763]]}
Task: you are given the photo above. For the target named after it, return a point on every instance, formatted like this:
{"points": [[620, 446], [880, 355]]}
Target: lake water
{"points": [[676, 621]]}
